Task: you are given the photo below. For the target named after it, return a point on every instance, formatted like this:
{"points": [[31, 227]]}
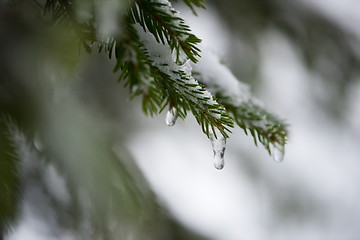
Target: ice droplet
{"points": [[171, 117], [219, 146], [278, 152]]}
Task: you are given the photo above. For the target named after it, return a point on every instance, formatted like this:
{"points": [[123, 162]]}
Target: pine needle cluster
{"points": [[163, 85]]}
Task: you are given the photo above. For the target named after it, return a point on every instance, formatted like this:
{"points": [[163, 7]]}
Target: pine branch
{"points": [[136, 69], [165, 83], [185, 93], [263, 126], [248, 114], [167, 27], [182, 90]]}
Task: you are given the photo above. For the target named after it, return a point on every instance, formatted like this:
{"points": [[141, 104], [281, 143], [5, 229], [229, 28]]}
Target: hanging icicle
{"points": [[171, 117], [278, 153], [219, 146]]}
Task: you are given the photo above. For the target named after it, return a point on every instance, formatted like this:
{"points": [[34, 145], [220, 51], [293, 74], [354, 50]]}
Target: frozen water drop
{"points": [[219, 146], [219, 162], [278, 153], [171, 117]]}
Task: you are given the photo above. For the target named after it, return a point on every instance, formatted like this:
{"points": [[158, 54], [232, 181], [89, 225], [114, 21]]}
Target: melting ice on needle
{"points": [[278, 152], [219, 146], [171, 117]]}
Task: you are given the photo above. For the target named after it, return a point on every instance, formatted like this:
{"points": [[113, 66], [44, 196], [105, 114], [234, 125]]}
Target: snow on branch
{"points": [[136, 69], [156, 53], [246, 110], [182, 90]]}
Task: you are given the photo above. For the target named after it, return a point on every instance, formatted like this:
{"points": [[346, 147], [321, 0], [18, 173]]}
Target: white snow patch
{"points": [[162, 57], [218, 77]]}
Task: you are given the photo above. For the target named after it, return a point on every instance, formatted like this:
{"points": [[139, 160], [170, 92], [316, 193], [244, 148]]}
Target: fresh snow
{"points": [[163, 59], [218, 77]]}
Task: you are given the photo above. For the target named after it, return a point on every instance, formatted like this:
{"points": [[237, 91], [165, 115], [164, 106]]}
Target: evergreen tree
{"points": [[156, 57]]}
